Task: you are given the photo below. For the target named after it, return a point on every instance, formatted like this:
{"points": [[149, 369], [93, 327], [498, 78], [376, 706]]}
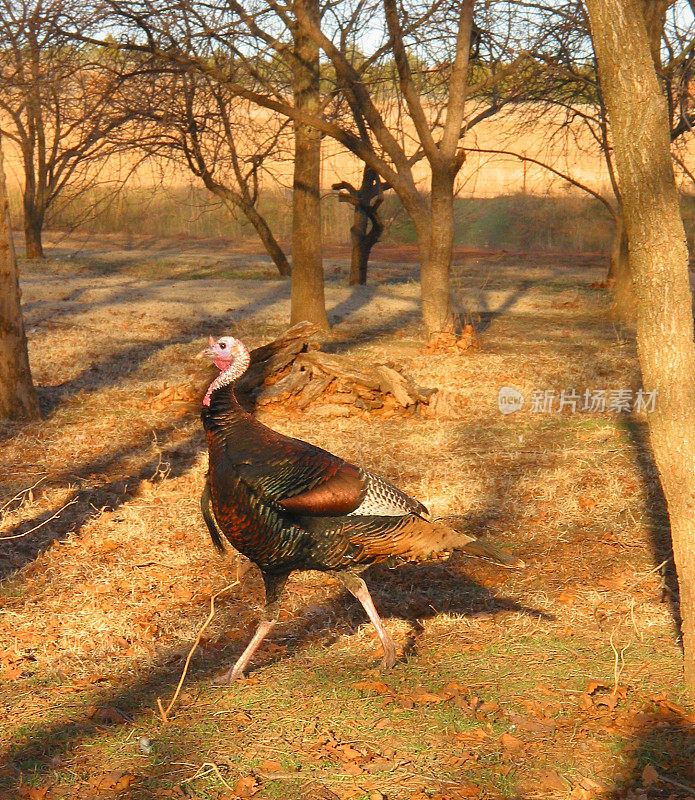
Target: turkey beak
{"points": [[207, 352]]}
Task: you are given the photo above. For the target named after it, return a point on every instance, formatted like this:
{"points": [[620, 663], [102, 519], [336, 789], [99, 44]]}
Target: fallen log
{"points": [[293, 372]]}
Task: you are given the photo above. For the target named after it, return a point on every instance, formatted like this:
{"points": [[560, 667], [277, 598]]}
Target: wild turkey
{"points": [[288, 505]]}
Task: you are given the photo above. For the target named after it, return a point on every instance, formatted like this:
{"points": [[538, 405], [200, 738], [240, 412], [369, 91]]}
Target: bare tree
{"points": [[224, 141], [60, 104], [17, 395], [367, 226], [571, 111], [638, 115], [411, 102], [407, 103]]}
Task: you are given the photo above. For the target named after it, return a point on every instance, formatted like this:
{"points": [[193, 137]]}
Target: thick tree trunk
{"points": [[435, 249], [308, 301], [624, 305], [17, 395], [33, 229], [659, 264]]}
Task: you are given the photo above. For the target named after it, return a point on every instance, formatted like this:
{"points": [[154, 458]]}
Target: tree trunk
{"points": [[270, 243], [659, 263], [308, 301], [623, 293], [366, 227], [360, 249], [33, 228], [435, 269], [17, 394]]}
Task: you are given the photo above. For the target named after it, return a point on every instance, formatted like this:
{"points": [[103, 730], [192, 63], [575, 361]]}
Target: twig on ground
{"points": [[683, 786], [211, 768], [657, 568], [23, 491], [164, 712], [41, 524], [634, 622], [619, 662]]}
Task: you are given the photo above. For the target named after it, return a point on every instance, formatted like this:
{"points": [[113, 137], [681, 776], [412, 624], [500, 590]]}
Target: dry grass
{"points": [[501, 688]]}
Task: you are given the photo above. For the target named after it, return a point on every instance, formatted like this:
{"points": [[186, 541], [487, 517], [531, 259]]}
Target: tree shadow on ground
{"points": [[35, 535], [110, 370], [658, 524], [661, 753], [398, 592], [487, 315]]}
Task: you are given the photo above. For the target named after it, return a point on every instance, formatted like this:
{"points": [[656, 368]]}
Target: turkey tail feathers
{"points": [[209, 517], [480, 547], [413, 538], [483, 549]]}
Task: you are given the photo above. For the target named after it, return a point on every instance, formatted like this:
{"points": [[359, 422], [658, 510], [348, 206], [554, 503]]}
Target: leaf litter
{"points": [[103, 601]]}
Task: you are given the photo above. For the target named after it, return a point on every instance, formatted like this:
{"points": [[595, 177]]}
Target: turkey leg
{"points": [[274, 587], [358, 588]]}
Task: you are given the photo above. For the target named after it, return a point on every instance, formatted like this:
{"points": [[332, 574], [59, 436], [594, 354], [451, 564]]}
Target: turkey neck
{"points": [[224, 417]]}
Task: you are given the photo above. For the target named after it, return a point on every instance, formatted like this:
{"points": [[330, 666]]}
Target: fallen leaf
{"points": [[373, 686], [609, 700], [12, 673], [10, 656], [591, 785], [511, 743], [551, 781], [348, 753], [478, 735], [649, 776], [270, 766], [423, 698], [567, 596], [246, 787], [109, 715], [33, 792], [585, 702], [116, 781]]}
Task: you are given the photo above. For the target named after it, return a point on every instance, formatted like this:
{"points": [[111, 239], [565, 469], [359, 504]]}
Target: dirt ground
{"points": [[559, 680]]}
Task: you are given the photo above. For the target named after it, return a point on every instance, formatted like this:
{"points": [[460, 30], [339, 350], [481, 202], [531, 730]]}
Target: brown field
{"points": [[560, 680], [573, 152]]}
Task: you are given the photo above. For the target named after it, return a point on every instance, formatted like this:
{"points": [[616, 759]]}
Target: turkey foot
{"points": [[237, 671], [358, 588]]}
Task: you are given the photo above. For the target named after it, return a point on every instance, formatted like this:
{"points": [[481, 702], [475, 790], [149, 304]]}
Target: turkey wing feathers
{"points": [[340, 494], [383, 499], [278, 467]]}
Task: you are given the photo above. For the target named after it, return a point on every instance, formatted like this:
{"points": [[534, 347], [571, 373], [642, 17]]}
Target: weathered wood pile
{"points": [[293, 372]]}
